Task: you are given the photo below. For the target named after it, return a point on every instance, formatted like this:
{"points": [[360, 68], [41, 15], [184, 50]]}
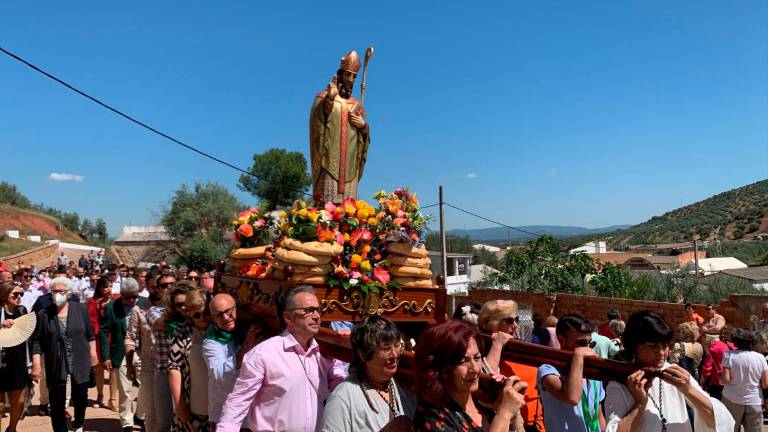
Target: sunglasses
{"points": [[17, 295], [229, 312], [511, 320], [26, 276], [198, 315], [194, 278], [166, 284], [179, 305], [308, 310]]}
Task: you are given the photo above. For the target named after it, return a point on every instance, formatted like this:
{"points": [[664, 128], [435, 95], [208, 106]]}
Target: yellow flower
{"points": [[363, 213], [346, 237], [285, 226], [235, 222], [303, 212], [243, 220], [365, 265], [355, 260], [313, 216], [373, 221], [283, 215], [294, 211]]}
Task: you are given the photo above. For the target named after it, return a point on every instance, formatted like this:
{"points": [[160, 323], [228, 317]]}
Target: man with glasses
{"points": [[139, 336], [31, 293], [299, 377], [112, 344], [570, 402], [224, 346]]}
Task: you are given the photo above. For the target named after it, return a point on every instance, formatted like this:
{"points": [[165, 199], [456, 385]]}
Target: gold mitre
{"points": [[350, 62]]}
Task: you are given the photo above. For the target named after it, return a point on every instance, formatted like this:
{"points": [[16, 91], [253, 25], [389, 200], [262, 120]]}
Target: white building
{"points": [[489, 248], [458, 265], [708, 266], [591, 247]]}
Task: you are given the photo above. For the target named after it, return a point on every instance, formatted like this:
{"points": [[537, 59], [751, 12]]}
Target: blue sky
{"points": [[567, 113]]}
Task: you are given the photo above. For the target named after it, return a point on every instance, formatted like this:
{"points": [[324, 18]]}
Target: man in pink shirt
{"points": [[284, 380]]}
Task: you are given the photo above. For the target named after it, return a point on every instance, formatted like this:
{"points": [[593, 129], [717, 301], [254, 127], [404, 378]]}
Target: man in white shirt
{"points": [[31, 291], [80, 282]]}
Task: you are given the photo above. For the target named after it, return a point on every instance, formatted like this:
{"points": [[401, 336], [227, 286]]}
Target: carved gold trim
{"points": [[373, 304]]}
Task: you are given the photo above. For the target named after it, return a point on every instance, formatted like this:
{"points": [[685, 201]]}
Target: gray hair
{"points": [[61, 281], [285, 299], [129, 285]]}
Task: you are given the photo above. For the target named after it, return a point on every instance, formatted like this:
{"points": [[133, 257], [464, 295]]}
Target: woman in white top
{"points": [[656, 397], [745, 378]]}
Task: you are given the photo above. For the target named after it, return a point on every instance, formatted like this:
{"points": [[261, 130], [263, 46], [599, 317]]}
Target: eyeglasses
{"points": [[198, 315], [511, 320], [17, 295], [307, 310], [397, 347], [229, 312]]}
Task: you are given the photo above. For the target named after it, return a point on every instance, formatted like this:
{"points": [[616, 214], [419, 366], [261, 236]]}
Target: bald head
{"points": [[224, 311]]}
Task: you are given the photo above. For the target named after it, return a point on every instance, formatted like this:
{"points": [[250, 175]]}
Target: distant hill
{"points": [[30, 222], [737, 214], [504, 234]]}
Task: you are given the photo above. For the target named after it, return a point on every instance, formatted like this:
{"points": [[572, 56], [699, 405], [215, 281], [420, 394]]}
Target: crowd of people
{"points": [[198, 368]]}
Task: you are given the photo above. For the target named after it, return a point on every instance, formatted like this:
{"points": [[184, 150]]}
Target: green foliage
{"points": [[10, 195], [197, 219], [751, 252], [613, 281], [484, 256], [280, 177], [737, 234]]}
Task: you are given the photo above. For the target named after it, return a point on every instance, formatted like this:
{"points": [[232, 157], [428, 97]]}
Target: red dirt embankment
{"points": [[29, 222]]}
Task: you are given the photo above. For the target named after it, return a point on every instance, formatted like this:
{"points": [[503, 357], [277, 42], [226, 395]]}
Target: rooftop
{"points": [[751, 273]]}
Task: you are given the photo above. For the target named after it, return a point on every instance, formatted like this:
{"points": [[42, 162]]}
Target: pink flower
{"points": [[330, 207], [340, 238], [355, 274], [253, 209], [245, 213], [381, 275], [260, 223]]}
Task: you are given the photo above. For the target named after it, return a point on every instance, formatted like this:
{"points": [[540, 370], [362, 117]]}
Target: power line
{"points": [[493, 221], [130, 118]]}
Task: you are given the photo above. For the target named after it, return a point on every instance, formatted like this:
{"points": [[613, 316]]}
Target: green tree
{"points": [[613, 281], [279, 177], [453, 244], [484, 256], [197, 220], [10, 195], [87, 229], [71, 221], [101, 231]]}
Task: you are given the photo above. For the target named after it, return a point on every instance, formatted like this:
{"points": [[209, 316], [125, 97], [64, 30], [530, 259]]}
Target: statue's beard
{"points": [[345, 92]]}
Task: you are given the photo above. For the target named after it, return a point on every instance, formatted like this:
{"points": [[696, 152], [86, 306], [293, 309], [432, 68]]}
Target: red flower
{"points": [[381, 275]]}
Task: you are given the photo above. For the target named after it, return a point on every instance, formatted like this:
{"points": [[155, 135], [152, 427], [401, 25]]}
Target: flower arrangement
{"points": [[252, 228], [400, 215], [361, 264], [259, 268], [303, 222]]}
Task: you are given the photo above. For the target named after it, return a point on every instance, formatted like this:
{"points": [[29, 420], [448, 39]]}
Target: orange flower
{"points": [[245, 230], [394, 205]]}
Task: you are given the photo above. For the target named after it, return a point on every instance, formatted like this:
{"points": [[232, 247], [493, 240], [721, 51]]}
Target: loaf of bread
{"points": [[401, 248], [402, 260], [410, 271], [412, 282], [250, 253], [298, 268], [313, 247], [298, 257]]}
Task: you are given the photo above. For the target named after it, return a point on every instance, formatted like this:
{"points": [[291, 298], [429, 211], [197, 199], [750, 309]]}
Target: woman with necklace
{"points": [[13, 360], [658, 396], [448, 364], [370, 399]]}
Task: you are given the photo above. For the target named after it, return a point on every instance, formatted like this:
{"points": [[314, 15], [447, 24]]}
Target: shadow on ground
{"points": [[102, 425]]}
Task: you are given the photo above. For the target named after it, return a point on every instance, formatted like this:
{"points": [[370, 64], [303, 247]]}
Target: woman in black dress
{"points": [[13, 360]]}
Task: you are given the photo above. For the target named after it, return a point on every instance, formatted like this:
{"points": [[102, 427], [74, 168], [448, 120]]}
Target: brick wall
{"points": [[736, 309]]}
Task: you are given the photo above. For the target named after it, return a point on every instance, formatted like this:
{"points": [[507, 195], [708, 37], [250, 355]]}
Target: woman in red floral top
{"points": [[448, 364], [96, 306]]}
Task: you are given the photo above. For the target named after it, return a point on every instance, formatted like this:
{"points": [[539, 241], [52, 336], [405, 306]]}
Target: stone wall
{"points": [[40, 255], [737, 309]]}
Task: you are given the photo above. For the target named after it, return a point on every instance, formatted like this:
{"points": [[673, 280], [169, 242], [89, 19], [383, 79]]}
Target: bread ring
{"points": [[401, 248], [298, 268], [298, 257], [250, 253], [410, 282], [234, 264], [308, 278], [410, 271], [402, 260], [313, 247]]}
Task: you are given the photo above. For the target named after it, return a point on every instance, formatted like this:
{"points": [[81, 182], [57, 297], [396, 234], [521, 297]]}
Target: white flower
{"points": [[353, 281]]}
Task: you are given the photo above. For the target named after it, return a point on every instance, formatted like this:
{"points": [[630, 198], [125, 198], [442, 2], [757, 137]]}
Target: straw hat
{"points": [[19, 332]]}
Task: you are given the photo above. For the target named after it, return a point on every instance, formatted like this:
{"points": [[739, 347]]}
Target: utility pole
{"points": [[696, 255], [443, 251]]}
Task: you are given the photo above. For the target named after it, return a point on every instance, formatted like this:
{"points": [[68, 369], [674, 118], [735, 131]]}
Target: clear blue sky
{"points": [[568, 113]]}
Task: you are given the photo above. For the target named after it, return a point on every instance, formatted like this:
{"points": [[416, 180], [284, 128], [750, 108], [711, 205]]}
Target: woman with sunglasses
{"points": [[187, 372], [499, 319], [97, 305], [658, 396], [13, 360]]}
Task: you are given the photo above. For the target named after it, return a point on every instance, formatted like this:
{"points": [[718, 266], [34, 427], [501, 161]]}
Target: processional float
{"points": [[361, 258]]}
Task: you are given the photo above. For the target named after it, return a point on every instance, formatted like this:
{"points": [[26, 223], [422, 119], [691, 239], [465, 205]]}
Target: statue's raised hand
{"points": [[332, 90]]}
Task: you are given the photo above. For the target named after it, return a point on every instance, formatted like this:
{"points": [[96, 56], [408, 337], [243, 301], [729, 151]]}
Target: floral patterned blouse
{"points": [[450, 418]]}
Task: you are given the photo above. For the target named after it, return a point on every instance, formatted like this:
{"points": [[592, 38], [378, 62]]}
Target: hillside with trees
{"points": [[737, 214]]}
